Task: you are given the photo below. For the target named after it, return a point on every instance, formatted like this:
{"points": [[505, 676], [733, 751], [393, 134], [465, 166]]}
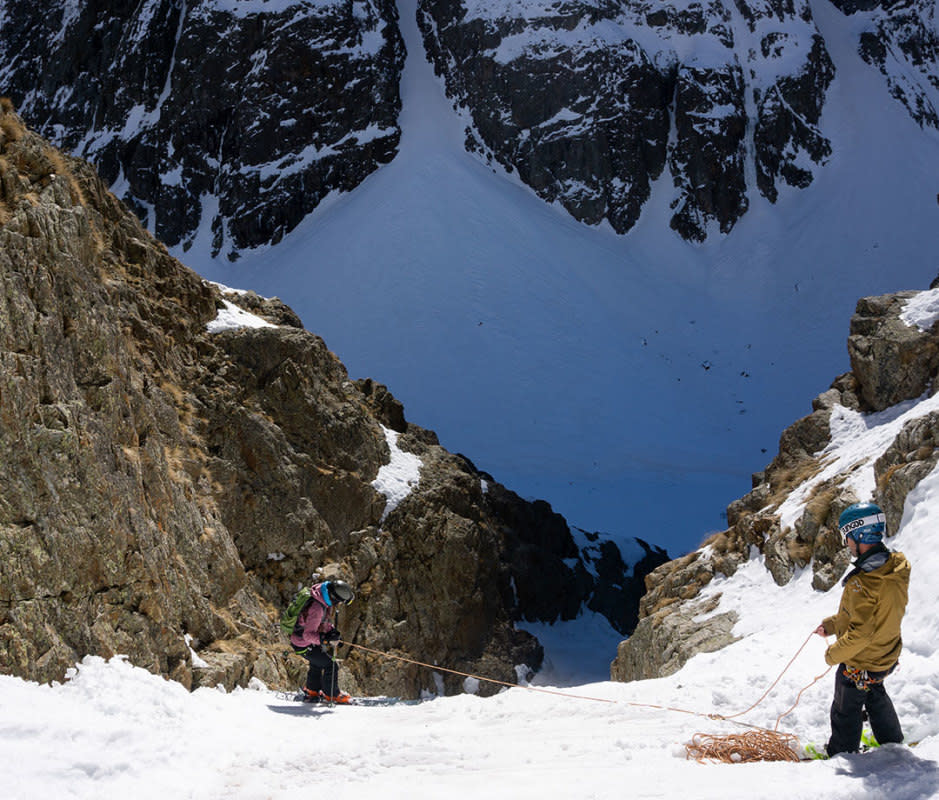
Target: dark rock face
{"points": [[707, 163], [168, 488], [226, 124], [904, 45], [891, 362], [205, 117], [619, 587], [582, 99], [789, 114]]}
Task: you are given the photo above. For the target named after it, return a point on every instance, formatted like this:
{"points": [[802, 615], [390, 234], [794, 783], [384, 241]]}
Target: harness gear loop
{"points": [[864, 679]]}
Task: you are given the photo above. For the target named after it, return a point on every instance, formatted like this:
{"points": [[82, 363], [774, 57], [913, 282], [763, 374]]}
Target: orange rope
{"points": [[477, 677], [773, 686], [719, 717], [743, 748], [528, 688], [799, 696], [755, 745]]}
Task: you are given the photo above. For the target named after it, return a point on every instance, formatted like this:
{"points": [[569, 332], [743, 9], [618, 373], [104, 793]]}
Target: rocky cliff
{"points": [[892, 361], [230, 121], [177, 459], [902, 42], [227, 119], [591, 103]]}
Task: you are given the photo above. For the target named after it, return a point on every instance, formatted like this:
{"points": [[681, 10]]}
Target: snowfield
{"points": [[115, 731], [613, 376]]}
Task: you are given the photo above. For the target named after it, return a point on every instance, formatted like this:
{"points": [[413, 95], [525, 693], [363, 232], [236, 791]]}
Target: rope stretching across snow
{"points": [[758, 744]]}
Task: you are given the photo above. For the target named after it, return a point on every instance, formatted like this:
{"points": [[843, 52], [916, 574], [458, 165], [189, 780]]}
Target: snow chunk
{"points": [[857, 441], [230, 318], [398, 477], [197, 660], [922, 311]]}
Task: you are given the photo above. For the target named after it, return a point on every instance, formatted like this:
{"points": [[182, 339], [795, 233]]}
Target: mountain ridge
{"points": [[588, 104]]}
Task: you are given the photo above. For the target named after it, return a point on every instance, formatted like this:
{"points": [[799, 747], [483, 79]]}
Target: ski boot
{"points": [[868, 742], [340, 698], [309, 696]]}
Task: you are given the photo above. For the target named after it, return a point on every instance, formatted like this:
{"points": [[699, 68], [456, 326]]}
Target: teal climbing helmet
{"points": [[863, 522]]}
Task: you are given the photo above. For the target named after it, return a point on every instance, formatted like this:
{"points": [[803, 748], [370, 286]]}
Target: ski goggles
{"points": [[871, 524]]}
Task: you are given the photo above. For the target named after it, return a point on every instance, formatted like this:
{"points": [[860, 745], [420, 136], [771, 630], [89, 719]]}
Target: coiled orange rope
{"points": [[742, 748], [756, 745]]}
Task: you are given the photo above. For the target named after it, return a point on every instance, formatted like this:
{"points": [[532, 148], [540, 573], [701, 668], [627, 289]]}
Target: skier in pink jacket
{"points": [[313, 631]]}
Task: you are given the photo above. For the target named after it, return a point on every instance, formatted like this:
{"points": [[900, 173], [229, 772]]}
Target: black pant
{"points": [[847, 714], [323, 673]]}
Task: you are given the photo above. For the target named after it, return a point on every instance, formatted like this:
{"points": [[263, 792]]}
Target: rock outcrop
{"points": [[892, 361], [169, 481]]}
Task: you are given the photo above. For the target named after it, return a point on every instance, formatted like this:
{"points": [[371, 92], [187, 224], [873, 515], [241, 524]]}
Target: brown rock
{"points": [[167, 490]]}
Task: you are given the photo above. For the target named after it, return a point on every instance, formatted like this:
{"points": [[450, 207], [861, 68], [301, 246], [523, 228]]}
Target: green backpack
{"points": [[288, 620]]}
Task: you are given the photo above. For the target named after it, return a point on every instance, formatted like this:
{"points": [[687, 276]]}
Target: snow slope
{"points": [[115, 731], [613, 376]]}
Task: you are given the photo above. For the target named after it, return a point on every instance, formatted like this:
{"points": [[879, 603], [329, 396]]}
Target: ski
{"points": [[383, 701], [814, 752], [298, 697]]}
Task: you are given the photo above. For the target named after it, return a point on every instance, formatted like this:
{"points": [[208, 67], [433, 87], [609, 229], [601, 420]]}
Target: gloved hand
{"points": [[331, 636]]}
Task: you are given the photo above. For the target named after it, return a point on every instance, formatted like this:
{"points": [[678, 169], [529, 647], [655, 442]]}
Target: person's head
{"points": [[335, 592], [862, 526]]}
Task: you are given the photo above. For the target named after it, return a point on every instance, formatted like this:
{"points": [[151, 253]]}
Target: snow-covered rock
{"points": [[225, 119], [224, 123], [591, 102], [873, 436], [902, 41]]}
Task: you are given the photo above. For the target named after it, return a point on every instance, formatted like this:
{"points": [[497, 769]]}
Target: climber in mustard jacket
{"points": [[867, 627]]}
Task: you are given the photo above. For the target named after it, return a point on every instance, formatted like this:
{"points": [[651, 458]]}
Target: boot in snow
{"points": [[309, 696], [340, 697]]}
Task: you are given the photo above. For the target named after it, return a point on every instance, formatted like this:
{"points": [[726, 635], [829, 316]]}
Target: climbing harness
{"points": [[863, 679]]}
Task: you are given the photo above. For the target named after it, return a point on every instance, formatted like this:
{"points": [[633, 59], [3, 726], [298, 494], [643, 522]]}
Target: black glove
{"points": [[331, 636]]}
